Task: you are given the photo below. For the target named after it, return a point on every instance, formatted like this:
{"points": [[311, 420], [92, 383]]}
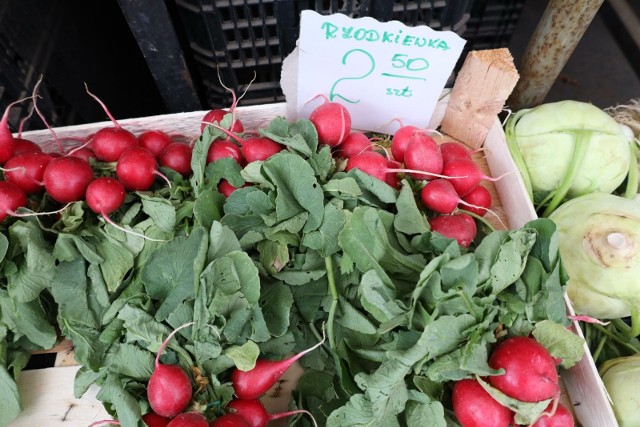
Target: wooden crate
{"points": [[48, 393]]}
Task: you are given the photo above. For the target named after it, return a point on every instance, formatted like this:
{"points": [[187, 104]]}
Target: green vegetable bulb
{"points": [[567, 149]]}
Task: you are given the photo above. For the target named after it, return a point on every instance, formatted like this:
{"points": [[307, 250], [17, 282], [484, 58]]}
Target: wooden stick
{"points": [[482, 86]]}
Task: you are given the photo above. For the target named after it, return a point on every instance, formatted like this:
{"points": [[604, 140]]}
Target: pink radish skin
{"points": [[105, 195], [227, 189], [169, 389], [332, 121], [478, 201], [11, 198], [400, 141], [454, 150], [216, 115], [378, 166], [25, 146], [137, 169], [374, 164], [456, 226], [473, 406], [189, 419], [440, 196], [356, 143], [7, 140], [254, 412], [177, 156], [423, 154], [151, 419], [66, 179], [230, 420], [259, 148], [257, 381], [465, 175], [530, 371], [26, 170], [154, 141], [562, 417], [223, 149], [108, 144], [84, 153]]}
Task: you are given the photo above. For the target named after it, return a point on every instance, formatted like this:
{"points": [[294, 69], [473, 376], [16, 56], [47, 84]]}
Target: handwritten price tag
{"points": [[379, 71]]}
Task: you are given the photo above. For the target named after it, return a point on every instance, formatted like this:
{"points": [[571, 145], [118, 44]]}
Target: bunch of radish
{"points": [[170, 393], [69, 176], [530, 375], [451, 179]]}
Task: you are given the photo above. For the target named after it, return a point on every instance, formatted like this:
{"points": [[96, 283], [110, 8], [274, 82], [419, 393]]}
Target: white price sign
{"points": [[381, 72]]}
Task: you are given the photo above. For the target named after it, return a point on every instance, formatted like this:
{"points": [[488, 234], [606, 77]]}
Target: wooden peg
{"points": [[482, 86]]}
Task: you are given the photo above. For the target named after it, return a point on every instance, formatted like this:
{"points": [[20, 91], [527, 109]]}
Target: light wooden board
{"points": [[48, 393], [47, 399]]}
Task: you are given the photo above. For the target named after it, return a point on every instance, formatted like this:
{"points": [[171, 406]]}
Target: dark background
{"points": [[148, 57]]}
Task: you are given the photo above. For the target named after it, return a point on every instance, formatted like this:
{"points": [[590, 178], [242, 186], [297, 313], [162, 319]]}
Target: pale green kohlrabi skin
{"points": [[599, 244], [621, 377], [550, 138]]}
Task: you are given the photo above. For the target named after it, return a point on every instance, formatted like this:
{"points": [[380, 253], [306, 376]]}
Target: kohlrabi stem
{"points": [[510, 133], [480, 218], [580, 148], [635, 322], [615, 337], [632, 178], [334, 301], [599, 347]]}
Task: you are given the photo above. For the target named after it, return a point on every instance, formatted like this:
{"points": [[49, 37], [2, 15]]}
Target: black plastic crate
{"points": [[492, 23], [24, 53], [231, 41]]}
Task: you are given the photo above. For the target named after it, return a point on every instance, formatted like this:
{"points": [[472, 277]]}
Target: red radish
{"points": [[473, 406], [109, 143], [151, 419], [457, 226], [169, 389], [400, 141], [454, 150], [26, 170], [25, 146], [530, 371], [221, 149], [561, 417], [423, 154], [226, 189], [154, 141], [255, 382], [374, 164], [7, 140], [254, 412], [440, 196], [332, 121], [216, 115], [378, 166], [259, 148], [354, 144], [11, 198], [105, 195], [137, 169], [177, 156], [66, 178], [465, 175], [84, 153], [189, 419], [478, 201], [230, 420]]}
